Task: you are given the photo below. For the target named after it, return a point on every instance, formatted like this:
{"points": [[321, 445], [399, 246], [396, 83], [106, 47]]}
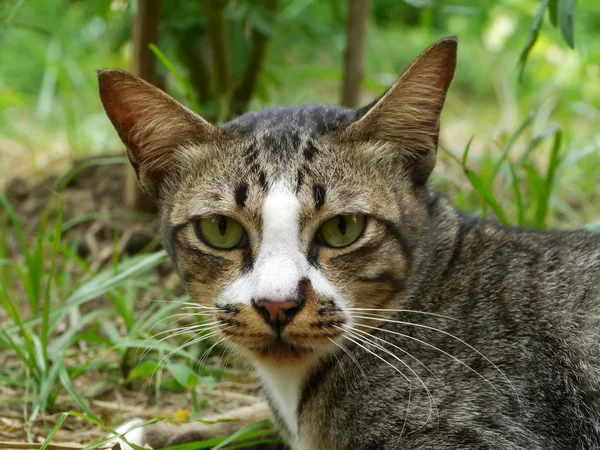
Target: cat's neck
{"points": [[284, 384]]}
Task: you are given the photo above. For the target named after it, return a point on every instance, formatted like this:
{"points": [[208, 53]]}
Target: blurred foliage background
{"points": [[50, 113]]}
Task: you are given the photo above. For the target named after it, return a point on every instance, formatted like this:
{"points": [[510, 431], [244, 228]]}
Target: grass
{"points": [[54, 329], [68, 330]]}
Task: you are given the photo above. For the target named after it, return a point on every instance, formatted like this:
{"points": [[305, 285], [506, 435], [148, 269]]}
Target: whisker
{"points": [[369, 338], [443, 352], [187, 343], [397, 370], [155, 343], [179, 348], [405, 311], [351, 356], [198, 305], [202, 361], [177, 332], [398, 348], [186, 327], [445, 333], [339, 364]]}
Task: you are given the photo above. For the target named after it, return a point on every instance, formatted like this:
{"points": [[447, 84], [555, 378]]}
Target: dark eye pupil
{"points": [[342, 224], [222, 225]]}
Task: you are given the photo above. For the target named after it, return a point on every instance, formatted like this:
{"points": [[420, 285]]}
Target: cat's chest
{"points": [[284, 386]]}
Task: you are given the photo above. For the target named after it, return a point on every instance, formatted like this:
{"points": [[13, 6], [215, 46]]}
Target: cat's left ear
{"points": [[407, 116], [155, 128]]}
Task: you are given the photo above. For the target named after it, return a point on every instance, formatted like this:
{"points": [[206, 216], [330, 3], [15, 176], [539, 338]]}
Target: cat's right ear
{"points": [[407, 116], [151, 124]]}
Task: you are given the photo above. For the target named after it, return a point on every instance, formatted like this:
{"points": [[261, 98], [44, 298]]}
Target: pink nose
{"points": [[277, 314]]}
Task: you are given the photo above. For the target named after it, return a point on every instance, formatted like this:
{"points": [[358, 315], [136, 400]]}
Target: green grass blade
{"points": [[63, 376], [243, 433], [64, 180], [514, 181], [534, 31], [45, 328], [535, 142], [180, 80], [14, 220], [486, 194], [566, 19], [544, 197], [249, 432], [509, 145], [54, 430], [465, 156]]}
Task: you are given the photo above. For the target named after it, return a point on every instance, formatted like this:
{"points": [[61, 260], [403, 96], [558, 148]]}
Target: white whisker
{"points": [[445, 333], [397, 370], [406, 311], [351, 356], [178, 332], [370, 339], [441, 351], [206, 353]]}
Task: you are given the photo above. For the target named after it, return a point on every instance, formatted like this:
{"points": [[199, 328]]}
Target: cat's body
{"points": [[528, 302], [376, 315]]}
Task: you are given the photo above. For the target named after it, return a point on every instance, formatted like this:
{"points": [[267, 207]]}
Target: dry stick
{"points": [[356, 35], [243, 93], [143, 33], [216, 28], [167, 434]]}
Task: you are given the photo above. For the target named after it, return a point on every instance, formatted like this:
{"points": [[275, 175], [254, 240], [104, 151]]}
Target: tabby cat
{"points": [[376, 315]]}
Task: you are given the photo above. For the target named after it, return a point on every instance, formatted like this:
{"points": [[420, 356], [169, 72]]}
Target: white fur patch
{"points": [[135, 436], [284, 385], [280, 263]]}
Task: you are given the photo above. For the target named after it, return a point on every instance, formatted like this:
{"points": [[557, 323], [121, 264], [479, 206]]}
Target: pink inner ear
{"points": [[446, 64], [444, 80], [123, 120]]}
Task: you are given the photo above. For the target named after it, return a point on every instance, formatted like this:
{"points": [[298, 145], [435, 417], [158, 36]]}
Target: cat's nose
{"points": [[277, 314]]}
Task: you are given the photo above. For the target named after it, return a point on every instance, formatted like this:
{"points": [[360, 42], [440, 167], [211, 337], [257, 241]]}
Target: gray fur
{"points": [[528, 301]]}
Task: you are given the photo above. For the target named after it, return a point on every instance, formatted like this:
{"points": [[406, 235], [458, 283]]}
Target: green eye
{"points": [[340, 231], [220, 231]]}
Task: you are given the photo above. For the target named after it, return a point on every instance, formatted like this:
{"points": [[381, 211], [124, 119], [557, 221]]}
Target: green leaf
{"points": [[532, 36], [487, 195], [184, 375], [566, 18], [54, 430], [553, 10], [63, 376], [172, 385], [518, 199], [145, 369]]}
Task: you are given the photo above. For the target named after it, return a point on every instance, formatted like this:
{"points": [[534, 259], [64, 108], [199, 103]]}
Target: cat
{"points": [[376, 315]]}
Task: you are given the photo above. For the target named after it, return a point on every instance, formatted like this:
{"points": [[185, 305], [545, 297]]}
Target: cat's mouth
{"points": [[306, 334], [278, 347]]}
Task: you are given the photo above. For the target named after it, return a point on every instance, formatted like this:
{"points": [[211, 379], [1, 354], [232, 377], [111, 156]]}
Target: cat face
{"points": [[285, 222]]}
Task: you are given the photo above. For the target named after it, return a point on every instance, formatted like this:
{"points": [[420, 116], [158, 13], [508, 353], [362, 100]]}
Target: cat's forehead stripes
{"points": [[293, 121], [241, 194], [319, 195]]}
